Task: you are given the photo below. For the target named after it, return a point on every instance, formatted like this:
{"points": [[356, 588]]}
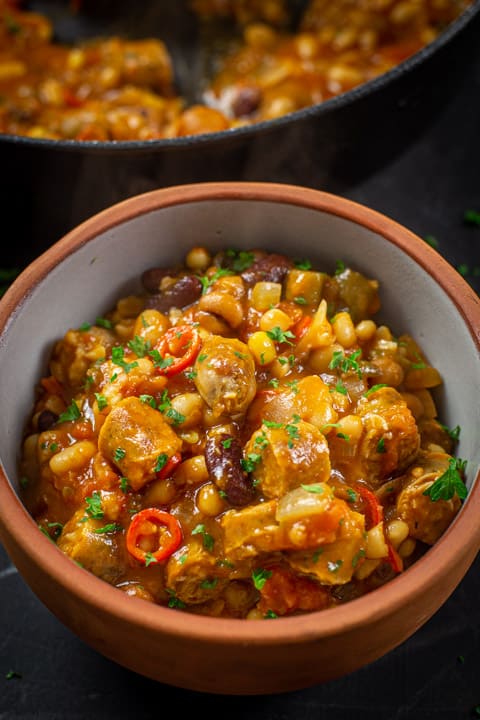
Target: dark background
{"points": [[46, 672]]}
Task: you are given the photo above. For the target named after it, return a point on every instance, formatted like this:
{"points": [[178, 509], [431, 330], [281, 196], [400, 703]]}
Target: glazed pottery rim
{"points": [[96, 593], [315, 110]]}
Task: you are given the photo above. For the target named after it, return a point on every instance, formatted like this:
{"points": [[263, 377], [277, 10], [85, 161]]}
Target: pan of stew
{"points": [[100, 101]]}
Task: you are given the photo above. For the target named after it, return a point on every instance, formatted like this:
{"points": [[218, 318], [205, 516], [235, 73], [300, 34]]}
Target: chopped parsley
{"points": [[101, 401], [161, 462], [159, 361], [334, 567], [454, 433], [314, 488], [374, 388], [207, 539], [260, 577], [119, 454], [274, 382], [93, 507], [139, 346], [381, 446], [303, 264], [11, 674], [227, 443], [432, 241], [340, 388], [270, 615], [346, 363], [281, 336], [339, 267], [166, 409], [103, 322], [352, 495], [118, 359], [173, 601], [209, 584], [449, 483], [110, 527], [124, 484], [149, 400], [357, 557], [472, 217], [241, 259], [300, 300], [207, 282], [151, 560], [71, 413], [202, 357], [250, 463], [84, 327], [343, 436]]}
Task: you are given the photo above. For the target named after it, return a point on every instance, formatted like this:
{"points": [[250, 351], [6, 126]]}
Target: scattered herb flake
{"points": [[119, 454], [152, 560], [93, 506], [280, 336], [124, 484], [160, 462], [270, 615], [208, 540], [381, 446], [334, 567], [101, 401], [260, 577], [139, 346], [227, 443], [374, 388], [432, 241], [303, 264], [11, 674], [471, 217], [104, 323], [110, 527], [314, 488], [71, 413]]}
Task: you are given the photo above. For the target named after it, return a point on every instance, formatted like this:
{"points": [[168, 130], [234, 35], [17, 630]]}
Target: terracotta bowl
{"points": [[101, 260]]}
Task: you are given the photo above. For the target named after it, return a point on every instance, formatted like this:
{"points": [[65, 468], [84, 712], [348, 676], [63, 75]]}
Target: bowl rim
{"points": [[440, 560], [265, 126]]}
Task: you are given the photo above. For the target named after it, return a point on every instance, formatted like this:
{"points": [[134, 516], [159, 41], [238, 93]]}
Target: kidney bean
{"points": [[223, 465], [182, 293], [246, 101], [152, 278], [270, 268], [46, 420]]}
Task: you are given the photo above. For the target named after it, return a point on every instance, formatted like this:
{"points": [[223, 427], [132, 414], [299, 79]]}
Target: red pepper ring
{"points": [[162, 526], [178, 349]]}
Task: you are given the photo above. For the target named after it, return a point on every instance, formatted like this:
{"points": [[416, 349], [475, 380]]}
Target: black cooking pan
{"points": [[48, 186]]}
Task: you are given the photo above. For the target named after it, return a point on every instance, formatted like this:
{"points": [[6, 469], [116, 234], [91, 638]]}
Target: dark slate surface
{"points": [[433, 675]]}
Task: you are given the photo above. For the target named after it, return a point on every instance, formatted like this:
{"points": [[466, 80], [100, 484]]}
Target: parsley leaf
{"points": [[449, 483], [119, 454], [281, 336], [71, 413], [103, 322], [93, 506], [250, 462], [454, 433], [208, 540], [260, 577], [101, 401], [472, 217], [346, 363], [111, 527], [118, 359], [303, 264], [241, 259], [374, 388], [139, 346], [161, 462]]}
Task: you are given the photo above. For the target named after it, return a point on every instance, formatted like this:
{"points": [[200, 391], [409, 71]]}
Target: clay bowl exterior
{"points": [[101, 260]]}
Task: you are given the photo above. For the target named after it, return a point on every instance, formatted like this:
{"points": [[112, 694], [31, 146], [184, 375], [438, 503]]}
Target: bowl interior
{"points": [[91, 276]]}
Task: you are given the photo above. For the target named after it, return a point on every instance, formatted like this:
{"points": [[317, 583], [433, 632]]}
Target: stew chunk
{"points": [[133, 438]]}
